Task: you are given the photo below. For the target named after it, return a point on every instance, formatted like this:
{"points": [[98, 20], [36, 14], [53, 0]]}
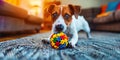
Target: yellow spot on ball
{"points": [[61, 33], [58, 35], [56, 47], [52, 43], [62, 42], [54, 36]]}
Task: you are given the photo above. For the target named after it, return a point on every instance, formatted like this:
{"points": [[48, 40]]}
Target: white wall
{"points": [[86, 3]]}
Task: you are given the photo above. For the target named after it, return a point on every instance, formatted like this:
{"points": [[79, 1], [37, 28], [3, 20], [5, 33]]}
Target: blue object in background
{"points": [[112, 6]]}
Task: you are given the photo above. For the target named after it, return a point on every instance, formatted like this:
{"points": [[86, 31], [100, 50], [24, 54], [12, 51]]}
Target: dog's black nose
{"points": [[59, 27]]}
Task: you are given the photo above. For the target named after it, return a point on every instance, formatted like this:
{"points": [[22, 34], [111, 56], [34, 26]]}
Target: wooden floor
{"points": [[6, 37]]}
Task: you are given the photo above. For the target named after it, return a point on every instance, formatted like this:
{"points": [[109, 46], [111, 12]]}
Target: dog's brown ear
{"points": [[77, 10], [50, 8], [71, 7]]}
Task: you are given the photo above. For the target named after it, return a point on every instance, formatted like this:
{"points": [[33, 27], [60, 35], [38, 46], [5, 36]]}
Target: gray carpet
{"points": [[103, 46]]}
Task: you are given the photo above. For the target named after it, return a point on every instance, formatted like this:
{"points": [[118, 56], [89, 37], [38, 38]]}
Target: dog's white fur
{"points": [[75, 26]]}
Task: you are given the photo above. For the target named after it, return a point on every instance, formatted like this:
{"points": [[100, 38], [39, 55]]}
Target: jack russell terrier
{"points": [[67, 20]]}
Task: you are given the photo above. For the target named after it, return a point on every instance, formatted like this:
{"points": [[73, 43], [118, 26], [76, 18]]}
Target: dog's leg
{"points": [[89, 35], [74, 39], [87, 30]]}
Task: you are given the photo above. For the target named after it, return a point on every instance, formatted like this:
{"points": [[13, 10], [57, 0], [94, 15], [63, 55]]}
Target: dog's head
{"points": [[62, 15]]}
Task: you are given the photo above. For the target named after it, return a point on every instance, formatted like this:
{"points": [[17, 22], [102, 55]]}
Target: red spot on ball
{"points": [[62, 37], [57, 43]]}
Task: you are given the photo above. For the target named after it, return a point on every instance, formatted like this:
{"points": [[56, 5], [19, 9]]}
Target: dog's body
{"points": [[67, 20], [76, 26]]}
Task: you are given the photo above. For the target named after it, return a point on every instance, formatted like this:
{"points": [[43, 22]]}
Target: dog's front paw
{"points": [[90, 37], [45, 41], [70, 45]]}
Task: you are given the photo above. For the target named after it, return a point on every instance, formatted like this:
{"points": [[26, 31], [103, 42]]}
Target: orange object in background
{"points": [[103, 14], [103, 8], [13, 2]]}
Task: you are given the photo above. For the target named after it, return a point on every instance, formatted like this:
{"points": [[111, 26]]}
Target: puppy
{"points": [[67, 20]]}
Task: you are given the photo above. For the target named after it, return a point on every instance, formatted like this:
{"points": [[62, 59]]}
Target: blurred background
{"points": [[21, 16]]}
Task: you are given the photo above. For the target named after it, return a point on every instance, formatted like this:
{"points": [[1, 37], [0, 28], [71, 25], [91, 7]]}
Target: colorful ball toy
{"points": [[59, 40]]}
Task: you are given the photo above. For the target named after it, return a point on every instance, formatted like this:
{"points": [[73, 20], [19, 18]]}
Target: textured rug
{"points": [[103, 46]]}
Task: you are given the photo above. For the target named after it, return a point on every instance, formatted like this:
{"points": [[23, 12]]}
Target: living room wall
{"points": [[34, 7], [13, 2], [86, 3]]}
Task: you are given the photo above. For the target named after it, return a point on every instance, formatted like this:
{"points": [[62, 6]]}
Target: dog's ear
{"points": [[71, 7], [50, 8], [77, 10]]}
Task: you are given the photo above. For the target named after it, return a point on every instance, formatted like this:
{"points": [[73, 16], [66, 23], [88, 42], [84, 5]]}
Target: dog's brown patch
{"points": [[67, 15], [54, 11]]}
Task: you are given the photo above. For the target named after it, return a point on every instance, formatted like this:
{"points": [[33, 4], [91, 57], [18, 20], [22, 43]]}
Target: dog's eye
{"points": [[54, 15], [66, 16]]}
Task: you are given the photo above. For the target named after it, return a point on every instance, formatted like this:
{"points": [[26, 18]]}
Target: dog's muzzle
{"points": [[59, 27]]}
